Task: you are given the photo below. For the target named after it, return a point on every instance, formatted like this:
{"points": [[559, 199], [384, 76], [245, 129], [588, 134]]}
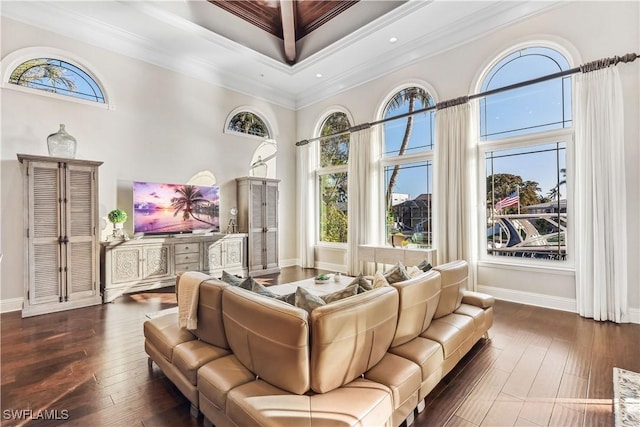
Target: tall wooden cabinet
{"points": [[258, 217], [61, 234]]}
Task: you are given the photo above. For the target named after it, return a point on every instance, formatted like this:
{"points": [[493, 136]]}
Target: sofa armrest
{"points": [[478, 299]]}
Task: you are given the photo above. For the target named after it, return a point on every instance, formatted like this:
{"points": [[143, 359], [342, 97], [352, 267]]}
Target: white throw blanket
{"points": [[188, 293]]}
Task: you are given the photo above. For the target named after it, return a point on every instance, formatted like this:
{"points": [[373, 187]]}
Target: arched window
{"points": [[57, 76], [408, 168], [530, 109], [332, 179], [524, 152], [248, 123]]}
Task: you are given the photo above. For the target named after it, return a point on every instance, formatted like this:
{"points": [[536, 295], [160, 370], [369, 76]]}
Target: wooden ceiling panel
{"points": [[266, 14], [311, 14]]}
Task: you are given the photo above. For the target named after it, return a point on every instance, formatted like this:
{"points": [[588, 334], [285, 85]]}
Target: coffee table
{"points": [[311, 286]]}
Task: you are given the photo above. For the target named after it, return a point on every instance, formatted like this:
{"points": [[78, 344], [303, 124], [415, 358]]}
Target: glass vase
{"points": [[61, 144]]}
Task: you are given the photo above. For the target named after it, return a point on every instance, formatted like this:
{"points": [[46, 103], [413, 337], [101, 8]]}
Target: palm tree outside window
{"points": [[408, 168], [57, 76], [248, 123]]}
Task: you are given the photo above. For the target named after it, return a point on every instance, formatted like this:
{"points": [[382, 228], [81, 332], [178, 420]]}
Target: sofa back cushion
{"points": [[269, 337], [210, 327], [454, 281], [419, 299], [350, 336]]}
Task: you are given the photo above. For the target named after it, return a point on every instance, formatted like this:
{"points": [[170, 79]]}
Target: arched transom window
{"points": [[57, 76], [248, 123]]}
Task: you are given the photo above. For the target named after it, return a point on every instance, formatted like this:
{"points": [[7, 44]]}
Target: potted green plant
{"points": [[117, 217]]}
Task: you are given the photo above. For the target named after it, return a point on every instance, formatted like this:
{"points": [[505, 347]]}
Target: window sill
{"points": [[567, 270]]}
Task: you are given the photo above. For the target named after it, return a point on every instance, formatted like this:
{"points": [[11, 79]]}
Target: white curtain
{"points": [[600, 218], [305, 184], [363, 206], [454, 175]]}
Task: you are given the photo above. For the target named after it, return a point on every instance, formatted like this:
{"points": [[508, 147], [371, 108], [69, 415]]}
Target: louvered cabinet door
{"points": [[271, 225], [79, 204], [61, 261], [44, 249], [258, 216]]}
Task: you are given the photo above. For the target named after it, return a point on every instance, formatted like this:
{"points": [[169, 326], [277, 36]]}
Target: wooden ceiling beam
{"points": [[288, 30]]}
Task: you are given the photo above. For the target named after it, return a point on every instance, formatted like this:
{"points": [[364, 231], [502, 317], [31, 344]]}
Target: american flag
{"points": [[512, 199]]}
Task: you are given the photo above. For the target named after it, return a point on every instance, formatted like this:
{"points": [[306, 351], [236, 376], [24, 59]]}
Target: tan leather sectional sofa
{"points": [[368, 360]]}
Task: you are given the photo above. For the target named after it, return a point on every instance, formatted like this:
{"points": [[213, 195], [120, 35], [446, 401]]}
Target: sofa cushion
{"points": [[164, 334], [359, 403], [418, 300], [348, 337], [218, 377], [425, 353], [402, 376], [210, 327], [189, 356], [270, 338], [479, 316], [454, 281], [451, 332]]}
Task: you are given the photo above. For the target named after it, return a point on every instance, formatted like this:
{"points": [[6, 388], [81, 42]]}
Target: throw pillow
{"points": [[397, 274], [349, 291], [262, 290], [363, 284], [307, 301], [231, 279], [289, 298], [414, 271], [424, 266], [379, 281]]}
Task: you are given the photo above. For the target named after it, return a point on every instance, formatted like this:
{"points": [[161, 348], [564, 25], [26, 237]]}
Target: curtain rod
{"points": [[585, 68]]}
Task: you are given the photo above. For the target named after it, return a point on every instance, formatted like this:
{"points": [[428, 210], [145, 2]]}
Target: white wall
{"points": [[589, 31], [165, 128]]}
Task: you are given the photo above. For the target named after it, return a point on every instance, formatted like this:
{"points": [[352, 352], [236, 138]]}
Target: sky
{"points": [[531, 109]]}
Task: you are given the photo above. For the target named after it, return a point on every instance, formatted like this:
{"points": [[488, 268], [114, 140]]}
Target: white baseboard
{"points": [[541, 300], [330, 267], [289, 262], [13, 304], [530, 298]]}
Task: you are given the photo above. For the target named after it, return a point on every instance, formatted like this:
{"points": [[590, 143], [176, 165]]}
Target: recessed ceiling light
{"points": [[393, 39], [319, 75]]}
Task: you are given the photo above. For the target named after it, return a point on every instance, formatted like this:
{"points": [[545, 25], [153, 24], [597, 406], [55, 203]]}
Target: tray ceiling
{"points": [[338, 44]]}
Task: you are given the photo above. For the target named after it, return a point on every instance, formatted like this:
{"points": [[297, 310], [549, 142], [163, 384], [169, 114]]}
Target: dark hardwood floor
{"points": [[87, 367]]}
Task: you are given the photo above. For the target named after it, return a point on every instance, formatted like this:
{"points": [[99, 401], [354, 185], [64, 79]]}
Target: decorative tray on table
{"points": [[322, 279]]}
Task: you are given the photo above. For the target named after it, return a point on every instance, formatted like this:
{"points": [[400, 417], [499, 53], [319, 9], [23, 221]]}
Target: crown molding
{"points": [[214, 59]]}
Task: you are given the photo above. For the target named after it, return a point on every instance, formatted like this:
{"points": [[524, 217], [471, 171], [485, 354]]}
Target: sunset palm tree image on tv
{"points": [[160, 208]]}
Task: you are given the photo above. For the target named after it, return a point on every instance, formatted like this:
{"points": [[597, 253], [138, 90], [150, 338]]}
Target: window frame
{"points": [[414, 157], [248, 109], [566, 136], [319, 171], [18, 57]]}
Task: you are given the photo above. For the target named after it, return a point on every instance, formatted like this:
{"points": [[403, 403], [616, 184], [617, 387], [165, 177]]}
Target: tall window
{"points": [[248, 123], [525, 156], [408, 169], [332, 179], [57, 76]]}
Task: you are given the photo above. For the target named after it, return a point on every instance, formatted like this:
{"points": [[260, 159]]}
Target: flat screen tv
{"points": [[160, 208]]}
